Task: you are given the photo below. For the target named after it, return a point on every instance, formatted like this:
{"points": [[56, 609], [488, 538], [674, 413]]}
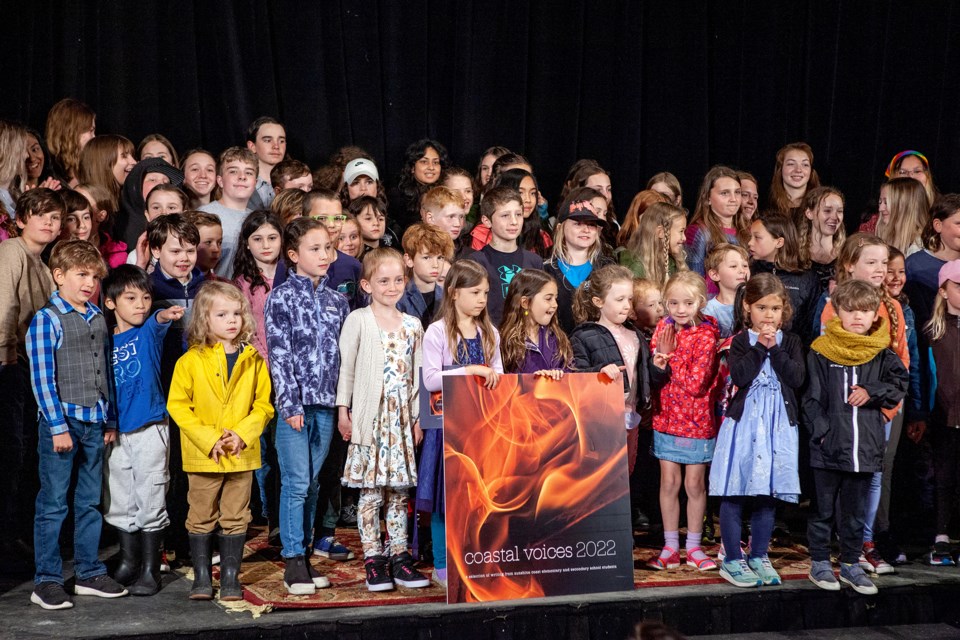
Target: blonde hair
{"points": [[13, 149], [513, 328], [465, 274], [598, 285], [376, 257], [936, 327], [716, 255], [909, 211], [849, 256], [642, 286], [650, 242], [288, 205], [812, 202], [559, 249], [704, 215], [198, 329], [66, 122], [693, 283], [77, 254]]}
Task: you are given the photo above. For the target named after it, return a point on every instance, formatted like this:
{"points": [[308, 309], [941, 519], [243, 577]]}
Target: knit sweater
{"points": [[25, 286]]}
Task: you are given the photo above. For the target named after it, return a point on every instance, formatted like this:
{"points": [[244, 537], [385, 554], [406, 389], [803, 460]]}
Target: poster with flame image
{"points": [[537, 497]]}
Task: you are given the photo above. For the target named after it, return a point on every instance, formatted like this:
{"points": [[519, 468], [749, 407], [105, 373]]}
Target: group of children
{"points": [[289, 337]]}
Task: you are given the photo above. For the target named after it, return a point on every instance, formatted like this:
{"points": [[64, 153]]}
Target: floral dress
{"points": [[391, 460]]}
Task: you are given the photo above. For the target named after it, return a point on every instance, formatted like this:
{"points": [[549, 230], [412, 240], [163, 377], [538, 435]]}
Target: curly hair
{"points": [[516, 320], [597, 285], [244, 264], [198, 328]]}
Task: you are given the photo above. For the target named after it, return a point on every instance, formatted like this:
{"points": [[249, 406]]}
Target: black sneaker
{"points": [[296, 577], [401, 565], [942, 555], [102, 586], [51, 595], [378, 577]]}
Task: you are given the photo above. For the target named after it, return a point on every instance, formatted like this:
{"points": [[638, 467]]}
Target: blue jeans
{"points": [[301, 455], [55, 474], [873, 498]]}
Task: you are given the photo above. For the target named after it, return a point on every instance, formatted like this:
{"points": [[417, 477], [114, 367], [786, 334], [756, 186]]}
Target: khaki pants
{"points": [[222, 498]]}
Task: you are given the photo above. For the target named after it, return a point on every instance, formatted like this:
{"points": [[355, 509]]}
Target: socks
{"points": [[671, 539], [693, 540]]}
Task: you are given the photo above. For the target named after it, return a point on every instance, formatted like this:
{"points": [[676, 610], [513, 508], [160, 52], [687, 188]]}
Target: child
{"points": [[531, 339], [360, 178], [444, 208], [728, 267], [793, 175], [350, 243], [718, 217], [853, 375], [78, 221], [290, 174], [220, 398], [303, 317], [425, 248], [343, 271], [163, 199], [211, 242], [462, 335], [136, 472], [606, 341], [381, 421], [69, 350], [655, 250], [267, 141], [371, 215], [199, 177], [28, 288], [647, 306], [145, 176], [755, 460], [820, 233], [461, 182], [502, 211], [684, 422], [904, 211], [102, 207], [237, 177]]}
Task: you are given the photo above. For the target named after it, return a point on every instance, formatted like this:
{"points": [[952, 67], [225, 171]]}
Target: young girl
{"points": [[460, 181], [655, 250], [793, 174], [350, 242], [102, 207], [485, 167], [371, 217], [718, 217], [755, 460], [941, 239], [531, 339], [821, 233], [606, 341], [220, 399], [379, 381], [463, 337], [903, 215], [684, 421], [200, 177], [257, 268]]}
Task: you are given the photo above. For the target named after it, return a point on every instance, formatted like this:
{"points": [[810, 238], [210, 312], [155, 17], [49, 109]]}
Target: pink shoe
{"points": [[668, 559], [699, 560]]}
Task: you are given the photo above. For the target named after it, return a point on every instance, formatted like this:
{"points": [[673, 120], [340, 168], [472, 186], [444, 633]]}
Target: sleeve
{"points": [[787, 361], [156, 328], [279, 326], [891, 387], [112, 418], [11, 272], [417, 363], [697, 250], [434, 346], [914, 408], [815, 400], [497, 364], [182, 409], [816, 321], [349, 349], [745, 360], [581, 354], [251, 427], [42, 341], [696, 372]]}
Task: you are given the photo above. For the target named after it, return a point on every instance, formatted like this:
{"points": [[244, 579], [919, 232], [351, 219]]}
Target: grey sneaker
{"points": [[821, 574], [854, 576], [764, 569]]}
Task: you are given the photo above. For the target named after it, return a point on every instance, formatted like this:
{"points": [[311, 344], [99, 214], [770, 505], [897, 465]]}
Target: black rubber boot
{"points": [[129, 567], [231, 554], [149, 581], [200, 544]]}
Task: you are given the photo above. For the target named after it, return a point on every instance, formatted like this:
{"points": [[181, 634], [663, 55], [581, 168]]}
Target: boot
{"points": [[149, 581], [129, 566], [200, 544], [231, 554]]}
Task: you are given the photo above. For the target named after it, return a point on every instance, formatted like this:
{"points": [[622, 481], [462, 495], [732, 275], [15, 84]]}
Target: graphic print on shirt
{"points": [[126, 365], [507, 273]]}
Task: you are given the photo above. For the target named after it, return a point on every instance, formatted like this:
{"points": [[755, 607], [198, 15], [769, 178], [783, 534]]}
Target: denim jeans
{"points": [[55, 475], [301, 455], [873, 498]]}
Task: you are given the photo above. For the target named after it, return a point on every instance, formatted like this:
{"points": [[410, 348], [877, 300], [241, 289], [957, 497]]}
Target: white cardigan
{"points": [[360, 385]]}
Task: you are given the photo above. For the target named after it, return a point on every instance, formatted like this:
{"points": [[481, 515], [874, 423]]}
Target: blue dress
{"points": [[758, 456]]}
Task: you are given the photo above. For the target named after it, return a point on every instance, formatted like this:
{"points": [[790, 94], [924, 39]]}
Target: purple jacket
{"points": [[543, 355]]}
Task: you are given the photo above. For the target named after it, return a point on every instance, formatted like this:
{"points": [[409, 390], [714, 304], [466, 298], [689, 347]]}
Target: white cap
{"points": [[359, 167]]}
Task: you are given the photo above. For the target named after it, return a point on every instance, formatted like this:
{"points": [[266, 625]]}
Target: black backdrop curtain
{"points": [[640, 86]]}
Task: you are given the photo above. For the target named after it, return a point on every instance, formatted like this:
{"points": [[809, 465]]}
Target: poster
{"points": [[537, 497]]}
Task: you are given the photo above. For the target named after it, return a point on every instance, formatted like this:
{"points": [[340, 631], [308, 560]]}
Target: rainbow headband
{"points": [[899, 156]]}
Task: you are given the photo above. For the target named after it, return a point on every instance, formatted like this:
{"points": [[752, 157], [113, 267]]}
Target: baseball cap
{"points": [[359, 167], [582, 211], [949, 271]]}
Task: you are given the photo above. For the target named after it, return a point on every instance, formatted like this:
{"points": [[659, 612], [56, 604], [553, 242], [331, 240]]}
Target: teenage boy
{"points": [[267, 140], [728, 265], [291, 174], [25, 287], [502, 211], [69, 350], [211, 242], [425, 248], [136, 472], [443, 207], [343, 274], [236, 176]]}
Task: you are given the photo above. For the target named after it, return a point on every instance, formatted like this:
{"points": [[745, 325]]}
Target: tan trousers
{"points": [[219, 497]]}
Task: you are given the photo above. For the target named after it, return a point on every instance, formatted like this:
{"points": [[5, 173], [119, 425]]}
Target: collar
{"points": [[305, 282], [64, 307]]}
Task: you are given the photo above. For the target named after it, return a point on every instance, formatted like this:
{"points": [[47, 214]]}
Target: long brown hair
{"points": [[706, 218], [97, 160], [780, 226], [812, 202], [943, 207], [909, 211], [516, 320], [66, 122], [779, 199], [466, 274], [850, 255]]}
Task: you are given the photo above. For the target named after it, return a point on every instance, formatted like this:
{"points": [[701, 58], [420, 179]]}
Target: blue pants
{"points": [[761, 524], [301, 455], [438, 531], [56, 470]]}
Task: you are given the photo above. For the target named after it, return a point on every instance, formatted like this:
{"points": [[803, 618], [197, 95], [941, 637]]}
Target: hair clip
{"points": [[860, 244], [586, 285]]}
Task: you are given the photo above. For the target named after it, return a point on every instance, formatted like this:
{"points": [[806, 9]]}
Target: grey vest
{"points": [[82, 368]]}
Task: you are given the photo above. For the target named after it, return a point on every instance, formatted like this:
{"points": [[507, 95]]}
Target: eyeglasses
{"points": [[910, 174], [329, 218]]}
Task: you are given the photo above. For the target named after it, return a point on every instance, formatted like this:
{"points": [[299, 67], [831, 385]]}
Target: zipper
{"points": [[856, 428]]}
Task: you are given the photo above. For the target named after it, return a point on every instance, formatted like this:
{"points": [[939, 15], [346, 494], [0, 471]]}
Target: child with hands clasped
{"points": [[684, 421], [464, 341], [220, 399], [755, 460], [531, 339], [379, 380]]}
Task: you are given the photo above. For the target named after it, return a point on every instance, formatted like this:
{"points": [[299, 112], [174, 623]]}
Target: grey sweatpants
{"points": [[136, 478]]}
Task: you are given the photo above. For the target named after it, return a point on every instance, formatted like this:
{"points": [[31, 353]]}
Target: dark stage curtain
{"points": [[640, 86]]}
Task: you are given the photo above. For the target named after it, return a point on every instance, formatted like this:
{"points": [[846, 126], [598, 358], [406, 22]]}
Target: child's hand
{"points": [[915, 431], [667, 340], [217, 451], [768, 335], [345, 424], [417, 433], [661, 360], [109, 437], [233, 442], [295, 422], [556, 374], [858, 396], [170, 314], [492, 377], [143, 251], [62, 443], [612, 371]]}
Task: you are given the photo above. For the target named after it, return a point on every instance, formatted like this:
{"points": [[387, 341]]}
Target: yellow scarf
{"points": [[850, 349]]}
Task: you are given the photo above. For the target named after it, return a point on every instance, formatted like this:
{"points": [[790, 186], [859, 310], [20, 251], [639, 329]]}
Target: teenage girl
{"points": [[821, 233], [666, 183], [656, 249], [532, 236], [717, 218], [904, 211], [200, 177], [755, 462], [423, 164], [220, 399], [383, 346], [156, 145], [485, 167], [106, 161], [70, 126], [531, 339], [913, 164], [793, 175], [684, 421], [750, 194], [941, 239], [462, 338]]}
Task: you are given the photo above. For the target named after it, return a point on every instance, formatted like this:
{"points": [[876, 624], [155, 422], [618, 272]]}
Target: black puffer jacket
{"points": [[844, 437], [594, 347], [804, 291], [566, 291]]}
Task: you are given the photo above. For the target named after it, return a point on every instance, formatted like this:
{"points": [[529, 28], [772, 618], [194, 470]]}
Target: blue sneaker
{"points": [[764, 569], [329, 548], [739, 574]]}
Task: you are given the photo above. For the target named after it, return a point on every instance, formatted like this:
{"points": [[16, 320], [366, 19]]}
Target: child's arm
{"points": [[278, 330], [888, 391], [744, 360], [816, 400], [170, 314], [180, 406], [787, 361], [43, 337], [251, 427], [349, 349]]}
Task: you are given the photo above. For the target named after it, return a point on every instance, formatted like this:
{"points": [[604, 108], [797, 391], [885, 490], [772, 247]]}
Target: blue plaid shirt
{"points": [[43, 339]]}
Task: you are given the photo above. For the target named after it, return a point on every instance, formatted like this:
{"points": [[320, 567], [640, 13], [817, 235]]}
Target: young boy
{"points": [[425, 248], [291, 174], [136, 472], [267, 141], [69, 350], [211, 242], [236, 176], [728, 265], [853, 374], [343, 274], [25, 287], [443, 207], [502, 211], [163, 199]]}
